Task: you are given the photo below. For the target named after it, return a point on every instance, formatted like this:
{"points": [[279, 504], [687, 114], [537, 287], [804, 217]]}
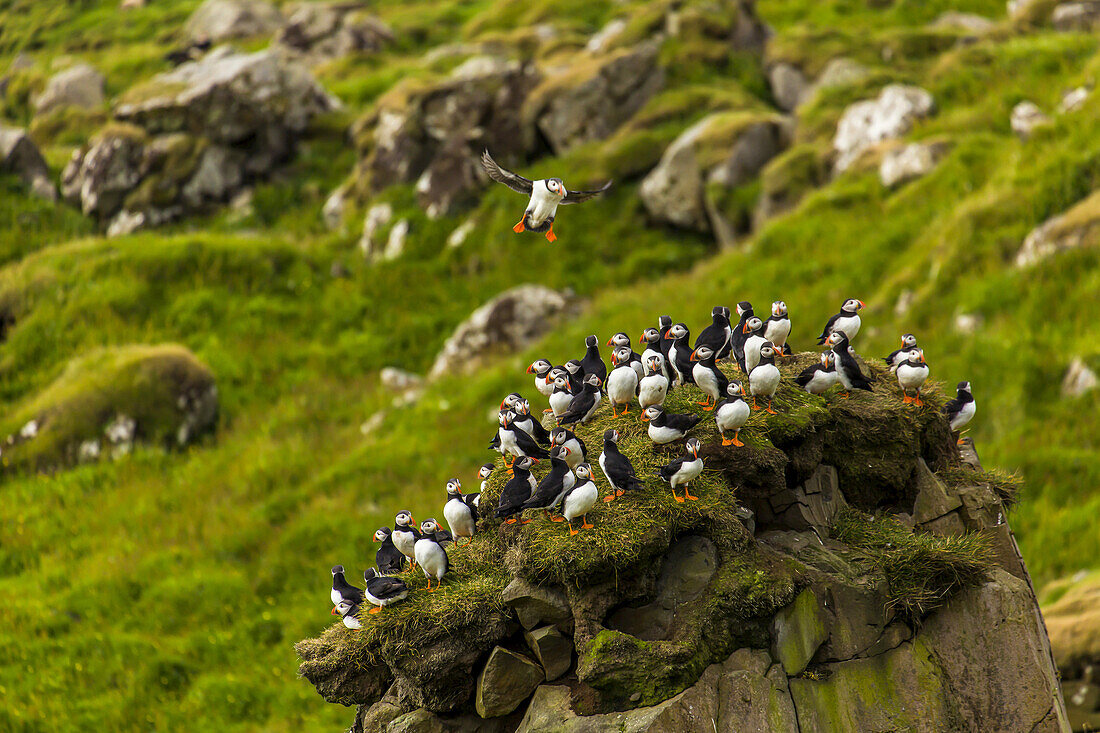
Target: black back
{"points": [[593, 363], [619, 470], [663, 324], [388, 558], [683, 421], [580, 406], [846, 362], [550, 486], [515, 492], [737, 339], [714, 335]]}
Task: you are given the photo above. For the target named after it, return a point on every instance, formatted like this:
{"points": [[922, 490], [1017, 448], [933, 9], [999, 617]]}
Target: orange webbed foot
{"points": [[519, 227], [690, 497], [679, 499], [573, 532], [376, 609], [550, 236]]}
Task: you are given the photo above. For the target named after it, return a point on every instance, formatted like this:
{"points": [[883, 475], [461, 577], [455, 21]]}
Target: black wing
{"points": [[468, 500], [494, 444], [893, 355], [620, 471], [806, 375], [541, 435], [828, 329], [667, 472], [546, 491], [389, 559], [384, 587], [576, 197], [952, 408], [528, 445], [723, 380], [683, 422], [578, 408], [514, 181], [512, 496]]}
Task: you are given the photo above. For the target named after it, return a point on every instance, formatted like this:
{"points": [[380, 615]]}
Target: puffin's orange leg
{"points": [[376, 609], [550, 236], [770, 410], [689, 496], [520, 227], [611, 497], [736, 439], [677, 498], [754, 405], [585, 524]]}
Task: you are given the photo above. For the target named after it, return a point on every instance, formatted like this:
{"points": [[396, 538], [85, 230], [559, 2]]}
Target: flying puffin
{"points": [[778, 327], [663, 324], [554, 485], [430, 555], [653, 389], [897, 356], [348, 613], [679, 354], [578, 453], [383, 591], [546, 195], [912, 374], [540, 368], [847, 368], [617, 467], [622, 385], [753, 331], [737, 338], [517, 490], [707, 376], [515, 441], [342, 590], [818, 378], [459, 511], [405, 534], [652, 338], [621, 340], [665, 427], [847, 321], [583, 404], [683, 471], [765, 377], [960, 411], [580, 499], [732, 413], [717, 335], [483, 473], [593, 363], [389, 559], [526, 422], [562, 396]]}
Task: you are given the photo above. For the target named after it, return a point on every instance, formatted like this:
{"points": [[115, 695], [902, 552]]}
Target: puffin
{"points": [[578, 453], [484, 473], [389, 559], [665, 427], [622, 385], [664, 323], [912, 374], [897, 356], [342, 590], [960, 410], [753, 331], [405, 534], [349, 614], [540, 368], [526, 422], [765, 377], [732, 413], [382, 590], [516, 491], [510, 400], [707, 376], [430, 555], [554, 485], [683, 471], [459, 512], [580, 499], [621, 340], [546, 195], [653, 388], [562, 396], [847, 320], [515, 441], [717, 335], [737, 338], [778, 327], [617, 467], [679, 354], [583, 404], [593, 363], [818, 378], [652, 338], [847, 368], [561, 371], [576, 372]]}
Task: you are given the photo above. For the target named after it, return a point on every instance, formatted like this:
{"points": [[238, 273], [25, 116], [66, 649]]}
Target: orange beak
{"points": [[335, 611], [668, 337], [692, 357], [530, 370], [861, 305], [745, 328], [645, 418], [641, 339], [609, 342], [547, 379]]}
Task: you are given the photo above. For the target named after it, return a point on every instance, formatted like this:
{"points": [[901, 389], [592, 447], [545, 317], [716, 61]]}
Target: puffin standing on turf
{"points": [[577, 454], [540, 368], [960, 411], [515, 441], [652, 338], [847, 321], [765, 377], [912, 374], [621, 340], [897, 356], [754, 340], [679, 354], [383, 591], [584, 404], [592, 363], [707, 376], [717, 335], [847, 368], [737, 338], [732, 413], [778, 328], [526, 422], [617, 467], [546, 195], [665, 427], [580, 499], [562, 395], [388, 559], [664, 323], [518, 490], [430, 555], [484, 473], [818, 378], [683, 471], [653, 389], [405, 534], [554, 485], [459, 511], [342, 590], [622, 385]]}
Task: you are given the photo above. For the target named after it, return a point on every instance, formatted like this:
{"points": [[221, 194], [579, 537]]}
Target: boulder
{"points": [[906, 163], [1078, 379], [932, 499], [890, 115], [1076, 16], [220, 20], [1026, 118], [506, 681], [789, 85], [1079, 226], [552, 649], [20, 156], [77, 86], [535, 604], [375, 225], [509, 322], [813, 504], [448, 181], [799, 630], [953, 20], [591, 98], [1074, 100], [99, 177], [328, 30]]}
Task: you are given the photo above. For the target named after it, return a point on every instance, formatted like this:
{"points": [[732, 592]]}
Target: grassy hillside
{"points": [[165, 590]]}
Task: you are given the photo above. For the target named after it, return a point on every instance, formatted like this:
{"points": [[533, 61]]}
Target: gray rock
{"points": [[789, 85], [219, 20], [19, 155], [1078, 379], [537, 604], [1078, 16], [932, 499], [99, 178], [968, 22], [949, 525], [448, 181], [375, 222], [814, 504], [840, 72], [332, 213], [1074, 100], [798, 631], [552, 649], [599, 40], [509, 322], [890, 115], [506, 681], [395, 242], [909, 162], [1069, 230], [1026, 118], [77, 86], [324, 31]]}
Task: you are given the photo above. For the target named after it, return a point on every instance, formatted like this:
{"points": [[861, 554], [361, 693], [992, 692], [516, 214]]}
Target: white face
{"points": [[827, 359], [522, 407], [525, 463], [503, 418], [555, 187], [621, 355], [852, 305], [753, 324], [554, 373], [779, 309], [484, 472], [677, 331], [654, 363], [908, 341], [583, 471], [539, 366], [613, 434], [766, 351], [966, 386], [916, 355], [651, 412], [619, 339], [692, 446], [429, 526], [734, 389], [703, 353], [650, 336], [337, 569], [593, 380], [573, 366], [561, 452], [343, 608], [454, 487], [835, 337], [380, 535], [562, 384], [403, 519]]}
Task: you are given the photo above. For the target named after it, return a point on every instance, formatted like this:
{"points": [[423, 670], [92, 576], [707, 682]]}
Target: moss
{"points": [[1005, 485], [71, 126], [789, 175], [176, 157], [151, 90]]}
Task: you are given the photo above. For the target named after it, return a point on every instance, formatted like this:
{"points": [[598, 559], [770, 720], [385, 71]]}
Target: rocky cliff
{"points": [[850, 568]]}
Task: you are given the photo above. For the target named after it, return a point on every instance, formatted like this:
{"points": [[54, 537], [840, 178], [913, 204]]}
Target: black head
{"points": [[573, 366], [678, 331], [852, 305], [652, 413], [382, 534], [560, 452], [650, 336], [524, 463], [744, 307], [838, 340], [908, 341], [540, 367], [619, 339], [370, 574], [592, 342], [718, 315], [664, 321], [510, 400], [337, 569], [611, 434], [703, 354], [558, 436], [964, 387]]}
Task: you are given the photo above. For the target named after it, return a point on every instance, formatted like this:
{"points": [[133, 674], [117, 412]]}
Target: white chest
{"points": [[621, 384], [559, 402], [966, 414], [432, 558], [652, 391], [459, 518], [689, 471], [778, 331], [580, 500], [752, 351], [764, 379], [543, 204], [663, 435], [404, 542], [732, 415], [912, 377], [706, 380], [821, 381], [849, 325]]}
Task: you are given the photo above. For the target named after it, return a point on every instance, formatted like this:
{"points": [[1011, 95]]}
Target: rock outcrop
{"points": [[908, 162], [1026, 118], [19, 155], [1079, 226], [889, 116], [77, 86], [328, 30], [1074, 623], [221, 20]]}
